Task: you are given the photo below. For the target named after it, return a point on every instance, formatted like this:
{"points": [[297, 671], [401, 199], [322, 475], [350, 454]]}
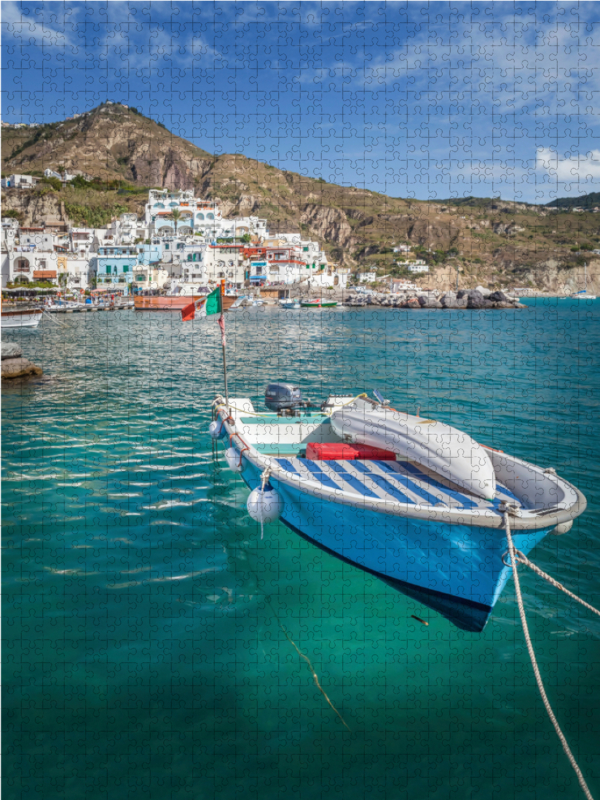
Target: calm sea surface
{"points": [[144, 621]]}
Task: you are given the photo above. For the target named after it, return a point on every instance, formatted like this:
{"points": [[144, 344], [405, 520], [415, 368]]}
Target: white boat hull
{"points": [[21, 319]]}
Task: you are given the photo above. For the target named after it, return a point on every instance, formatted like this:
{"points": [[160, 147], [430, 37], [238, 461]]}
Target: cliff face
{"points": [[498, 241]]}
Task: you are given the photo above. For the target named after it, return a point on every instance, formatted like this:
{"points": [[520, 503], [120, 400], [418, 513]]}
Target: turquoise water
{"points": [[144, 621]]}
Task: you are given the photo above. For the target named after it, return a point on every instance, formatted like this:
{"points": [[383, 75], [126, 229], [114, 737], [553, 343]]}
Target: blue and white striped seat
{"points": [[400, 481]]}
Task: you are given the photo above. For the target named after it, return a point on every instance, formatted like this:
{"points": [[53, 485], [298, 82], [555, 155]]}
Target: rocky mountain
{"points": [[483, 239]]}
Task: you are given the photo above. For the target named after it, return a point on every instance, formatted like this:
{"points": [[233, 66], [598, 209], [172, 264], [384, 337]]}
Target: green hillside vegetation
{"points": [[584, 201]]}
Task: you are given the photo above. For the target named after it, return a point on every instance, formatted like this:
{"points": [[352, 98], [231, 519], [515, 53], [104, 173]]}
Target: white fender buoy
{"points": [[232, 456], [265, 505], [216, 429]]}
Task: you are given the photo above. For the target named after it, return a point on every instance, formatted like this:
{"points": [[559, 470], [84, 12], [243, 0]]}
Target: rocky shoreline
{"points": [[14, 365], [474, 299]]}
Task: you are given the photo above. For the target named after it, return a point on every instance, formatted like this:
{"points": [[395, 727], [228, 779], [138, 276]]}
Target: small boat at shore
{"points": [[318, 303], [413, 501], [21, 318], [583, 294], [290, 303]]}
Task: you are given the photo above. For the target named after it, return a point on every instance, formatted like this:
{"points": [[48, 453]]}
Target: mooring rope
{"points": [[522, 559], [55, 321], [536, 671]]}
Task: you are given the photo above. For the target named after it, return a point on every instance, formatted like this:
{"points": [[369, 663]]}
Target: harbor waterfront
{"points": [[143, 610]]}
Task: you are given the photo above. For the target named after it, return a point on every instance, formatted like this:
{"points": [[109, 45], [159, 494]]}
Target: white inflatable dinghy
{"points": [[450, 453]]}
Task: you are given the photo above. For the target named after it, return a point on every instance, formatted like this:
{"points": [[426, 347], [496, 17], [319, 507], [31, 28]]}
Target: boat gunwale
{"points": [[523, 520]]}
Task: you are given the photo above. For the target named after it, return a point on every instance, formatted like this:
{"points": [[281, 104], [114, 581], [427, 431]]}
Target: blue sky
{"points": [[417, 100]]}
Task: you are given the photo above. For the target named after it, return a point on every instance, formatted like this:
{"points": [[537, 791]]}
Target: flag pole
{"points": [[222, 326]]}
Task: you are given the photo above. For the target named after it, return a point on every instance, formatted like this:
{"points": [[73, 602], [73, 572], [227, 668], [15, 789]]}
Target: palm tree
{"points": [[176, 214]]}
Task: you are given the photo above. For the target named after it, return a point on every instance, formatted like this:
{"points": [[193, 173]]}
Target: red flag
{"points": [[222, 326], [188, 312]]}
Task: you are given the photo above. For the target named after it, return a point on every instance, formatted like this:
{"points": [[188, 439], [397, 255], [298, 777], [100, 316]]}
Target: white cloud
{"points": [[27, 30], [577, 168]]}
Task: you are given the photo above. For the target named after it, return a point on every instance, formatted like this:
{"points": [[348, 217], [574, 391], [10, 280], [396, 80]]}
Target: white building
{"points": [[64, 176], [81, 241], [201, 218], [19, 182], [226, 261], [417, 266], [127, 229], [366, 277], [34, 265], [73, 271]]}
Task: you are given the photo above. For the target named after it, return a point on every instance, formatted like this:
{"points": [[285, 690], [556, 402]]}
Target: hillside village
{"points": [[74, 189], [181, 243]]}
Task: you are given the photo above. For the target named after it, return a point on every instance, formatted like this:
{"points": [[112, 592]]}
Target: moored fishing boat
{"points": [[318, 303], [21, 318], [418, 503]]}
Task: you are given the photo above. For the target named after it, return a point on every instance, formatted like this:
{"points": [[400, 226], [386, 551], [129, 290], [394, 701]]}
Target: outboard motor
{"points": [[283, 397]]}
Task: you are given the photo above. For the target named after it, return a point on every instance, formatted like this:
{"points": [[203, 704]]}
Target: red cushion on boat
{"points": [[337, 451]]}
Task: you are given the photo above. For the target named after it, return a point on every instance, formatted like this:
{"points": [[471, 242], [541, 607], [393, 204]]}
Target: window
{"points": [[305, 249], [108, 269], [140, 278], [125, 268]]}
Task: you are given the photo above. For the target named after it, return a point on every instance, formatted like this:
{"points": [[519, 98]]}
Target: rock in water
{"points": [[11, 350], [476, 299], [429, 302], [450, 300], [498, 297], [19, 367]]}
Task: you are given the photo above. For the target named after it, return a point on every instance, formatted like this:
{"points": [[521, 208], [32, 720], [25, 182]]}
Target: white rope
{"points": [[55, 321], [522, 559], [536, 671]]}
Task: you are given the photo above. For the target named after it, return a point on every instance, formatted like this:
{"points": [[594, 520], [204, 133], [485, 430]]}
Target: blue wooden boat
{"points": [[404, 519]]}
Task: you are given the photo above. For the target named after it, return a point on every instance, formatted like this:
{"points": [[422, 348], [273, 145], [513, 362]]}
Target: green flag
{"points": [[211, 305]]}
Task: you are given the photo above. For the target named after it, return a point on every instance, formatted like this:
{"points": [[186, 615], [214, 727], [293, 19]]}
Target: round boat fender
{"points": [[265, 505], [216, 429], [563, 527], [234, 459]]}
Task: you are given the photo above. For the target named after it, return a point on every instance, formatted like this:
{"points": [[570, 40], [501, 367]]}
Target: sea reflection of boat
{"points": [[413, 501], [21, 318]]}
